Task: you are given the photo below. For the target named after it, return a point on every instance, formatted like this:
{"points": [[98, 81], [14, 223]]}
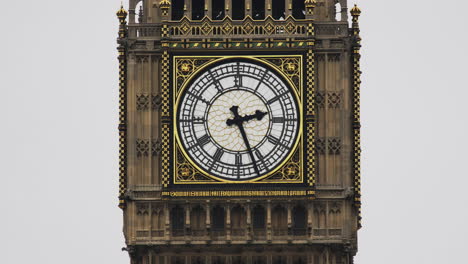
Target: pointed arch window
{"points": [[198, 9], [298, 11], [177, 221], [218, 218], [278, 9], [258, 9], [299, 214], [217, 7], [238, 9], [177, 11]]}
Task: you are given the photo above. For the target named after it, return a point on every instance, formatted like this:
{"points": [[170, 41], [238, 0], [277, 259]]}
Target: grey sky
{"points": [[58, 134]]}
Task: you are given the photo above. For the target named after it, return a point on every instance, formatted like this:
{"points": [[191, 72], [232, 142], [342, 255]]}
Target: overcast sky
{"points": [[59, 146]]}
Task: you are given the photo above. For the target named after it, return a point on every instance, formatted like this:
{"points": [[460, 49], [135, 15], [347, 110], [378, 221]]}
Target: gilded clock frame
{"points": [[185, 68]]}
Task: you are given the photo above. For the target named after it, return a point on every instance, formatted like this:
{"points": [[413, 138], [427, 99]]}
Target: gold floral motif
{"points": [[185, 69], [288, 66]]}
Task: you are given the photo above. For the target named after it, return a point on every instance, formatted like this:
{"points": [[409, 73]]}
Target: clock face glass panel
{"points": [[238, 121]]}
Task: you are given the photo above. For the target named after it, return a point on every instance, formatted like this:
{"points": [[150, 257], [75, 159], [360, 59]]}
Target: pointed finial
{"points": [[355, 11], [165, 5], [310, 6], [122, 13], [310, 3]]}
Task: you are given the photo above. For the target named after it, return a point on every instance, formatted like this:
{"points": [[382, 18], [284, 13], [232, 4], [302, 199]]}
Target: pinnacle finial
{"points": [[165, 5], [355, 11], [310, 3], [122, 13]]}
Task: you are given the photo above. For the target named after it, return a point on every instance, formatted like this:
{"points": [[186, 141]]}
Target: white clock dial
{"points": [[238, 121]]}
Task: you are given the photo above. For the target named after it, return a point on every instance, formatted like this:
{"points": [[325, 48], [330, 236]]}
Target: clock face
{"points": [[238, 121]]}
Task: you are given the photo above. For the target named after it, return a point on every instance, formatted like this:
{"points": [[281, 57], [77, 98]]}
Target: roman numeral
{"points": [[216, 82], [238, 77], [273, 140], [199, 98], [218, 154], [238, 160], [203, 140], [259, 154], [272, 100], [198, 120], [261, 80], [278, 120]]}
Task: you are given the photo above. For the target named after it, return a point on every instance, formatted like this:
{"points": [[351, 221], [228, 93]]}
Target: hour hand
{"points": [[258, 115]]}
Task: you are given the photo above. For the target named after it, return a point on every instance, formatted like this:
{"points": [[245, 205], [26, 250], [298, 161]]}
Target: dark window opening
{"points": [[177, 260], [279, 260], [298, 11], [299, 220], [198, 9], [259, 217], [217, 9], [218, 218], [258, 9], [238, 9], [301, 260], [177, 9], [198, 260], [278, 9], [218, 260], [258, 260], [299, 217], [177, 220]]}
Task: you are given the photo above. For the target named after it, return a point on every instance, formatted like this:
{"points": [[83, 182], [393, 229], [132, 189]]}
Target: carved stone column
{"points": [[228, 8], [248, 8], [269, 220], [167, 229], [268, 8], [228, 222], [249, 220], [288, 6], [208, 216]]}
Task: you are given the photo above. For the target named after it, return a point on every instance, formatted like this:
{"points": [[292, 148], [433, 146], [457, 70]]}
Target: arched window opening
{"points": [[338, 12], [278, 9], [238, 9], [158, 222], [139, 12], [177, 9], [198, 260], [198, 9], [299, 214], [177, 221], [298, 11], [258, 217], [218, 260], [218, 218], [177, 260], [258, 9], [279, 221], [279, 260], [217, 7], [301, 260], [238, 221], [198, 221], [238, 260], [258, 260]]}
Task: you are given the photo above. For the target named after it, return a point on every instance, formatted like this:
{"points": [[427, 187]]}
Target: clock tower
{"points": [[239, 131]]}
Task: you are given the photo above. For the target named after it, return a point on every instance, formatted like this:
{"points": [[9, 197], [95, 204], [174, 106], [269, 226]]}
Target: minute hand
{"points": [[246, 140]]}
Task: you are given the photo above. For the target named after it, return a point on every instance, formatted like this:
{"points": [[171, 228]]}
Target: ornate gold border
{"points": [[356, 57], [185, 68], [122, 15]]}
